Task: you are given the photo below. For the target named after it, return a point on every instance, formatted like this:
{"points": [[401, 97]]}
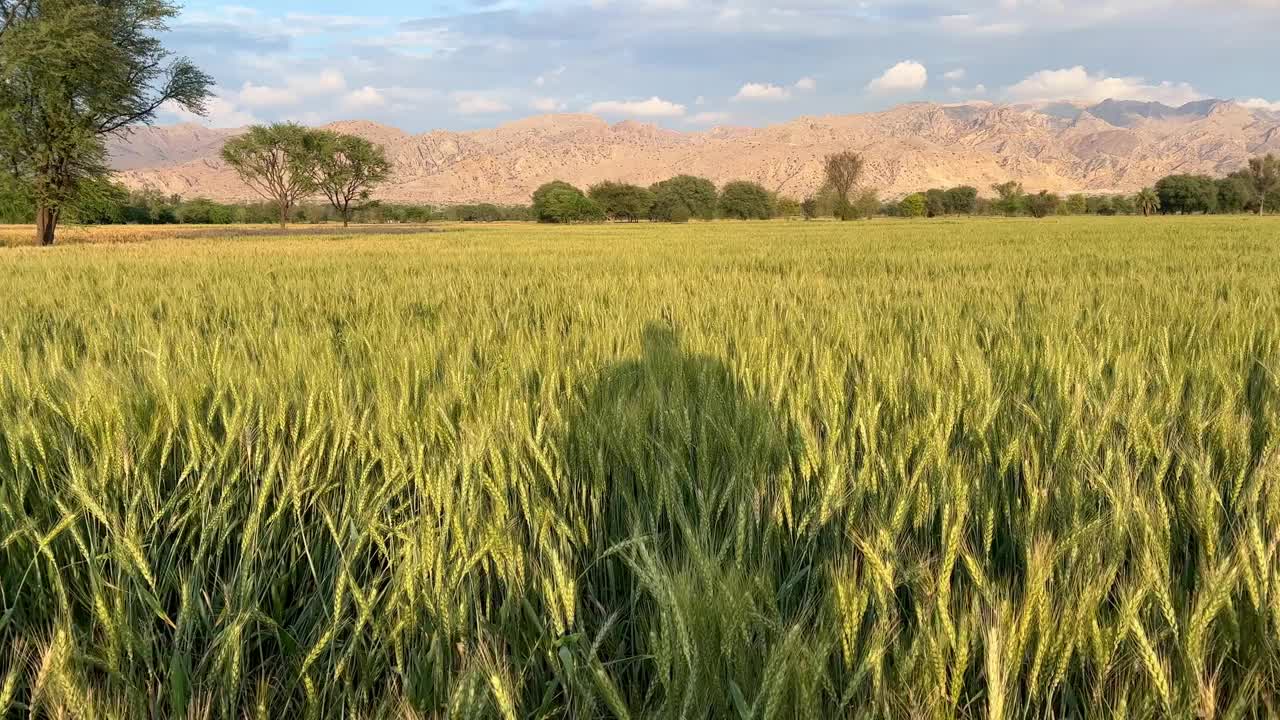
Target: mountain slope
{"points": [[1109, 147]]}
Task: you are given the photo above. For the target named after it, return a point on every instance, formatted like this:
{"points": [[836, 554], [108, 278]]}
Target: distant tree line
{"points": [[1254, 188], [106, 203]]}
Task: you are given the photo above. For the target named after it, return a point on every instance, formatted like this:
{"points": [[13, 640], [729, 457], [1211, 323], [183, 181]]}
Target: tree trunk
{"points": [[46, 225], [284, 216], [1262, 205]]}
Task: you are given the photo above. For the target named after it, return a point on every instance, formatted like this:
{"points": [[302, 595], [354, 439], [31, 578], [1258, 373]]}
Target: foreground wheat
{"points": [[988, 470]]}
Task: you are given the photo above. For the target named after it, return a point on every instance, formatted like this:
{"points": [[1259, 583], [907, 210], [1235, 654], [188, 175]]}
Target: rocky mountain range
{"points": [[1113, 146]]}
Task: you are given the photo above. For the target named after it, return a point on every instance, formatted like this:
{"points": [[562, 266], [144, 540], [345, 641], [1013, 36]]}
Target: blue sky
{"points": [[691, 64]]}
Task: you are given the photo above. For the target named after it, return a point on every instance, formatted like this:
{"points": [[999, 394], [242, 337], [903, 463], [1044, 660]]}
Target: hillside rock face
{"points": [[1114, 146]]}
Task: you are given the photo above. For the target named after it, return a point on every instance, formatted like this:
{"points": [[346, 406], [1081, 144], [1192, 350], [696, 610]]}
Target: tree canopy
{"points": [[682, 198], [621, 201], [1264, 174], [742, 200], [73, 72], [560, 202], [1186, 194], [345, 168], [276, 161], [842, 171]]}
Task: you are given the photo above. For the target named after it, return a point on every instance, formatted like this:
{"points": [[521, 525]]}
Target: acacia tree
{"points": [[276, 161], [345, 168], [843, 170], [1264, 174], [73, 72]]}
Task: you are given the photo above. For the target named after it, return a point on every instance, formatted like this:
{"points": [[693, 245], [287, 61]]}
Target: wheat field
{"points": [[982, 469]]}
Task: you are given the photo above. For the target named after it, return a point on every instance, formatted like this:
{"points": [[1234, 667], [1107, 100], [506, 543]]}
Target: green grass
{"points": [[986, 469]]}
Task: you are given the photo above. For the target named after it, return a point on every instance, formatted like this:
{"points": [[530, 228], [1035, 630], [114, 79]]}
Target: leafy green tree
{"points": [[621, 201], [346, 168], [1186, 194], [73, 72], [99, 202], [1264, 173], [743, 200], [1043, 204], [16, 207], [1010, 198], [962, 200], [560, 202], [843, 170], [1147, 202], [913, 206], [935, 202], [682, 198], [277, 161], [1235, 194]]}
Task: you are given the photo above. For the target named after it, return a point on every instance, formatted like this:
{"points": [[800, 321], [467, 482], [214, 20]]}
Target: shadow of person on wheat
{"points": [[674, 465]]}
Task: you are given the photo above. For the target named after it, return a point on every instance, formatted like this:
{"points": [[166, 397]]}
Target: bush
{"points": [[742, 200]]}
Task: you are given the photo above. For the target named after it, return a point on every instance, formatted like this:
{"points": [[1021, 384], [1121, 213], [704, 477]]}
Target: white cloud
{"points": [[905, 76], [219, 113], [762, 91], [1260, 104], [1079, 84], [469, 103], [708, 118], [653, 107], [546, 105], [957, 74], [807, 84], [365, 98], [262, 96], [963, 92], [297, 88]]}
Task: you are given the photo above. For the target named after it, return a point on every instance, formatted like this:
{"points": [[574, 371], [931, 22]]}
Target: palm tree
{"points": [[1147, 201]]}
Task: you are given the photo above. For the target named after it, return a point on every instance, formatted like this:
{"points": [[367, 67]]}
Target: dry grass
{"points": [[994, 469]]}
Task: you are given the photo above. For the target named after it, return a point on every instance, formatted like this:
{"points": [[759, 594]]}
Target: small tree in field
{"points": [[73, 72], [1043, 204], [1264, 174], [276, 161], [1012, 197], [346, 168], [843, 170]]}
